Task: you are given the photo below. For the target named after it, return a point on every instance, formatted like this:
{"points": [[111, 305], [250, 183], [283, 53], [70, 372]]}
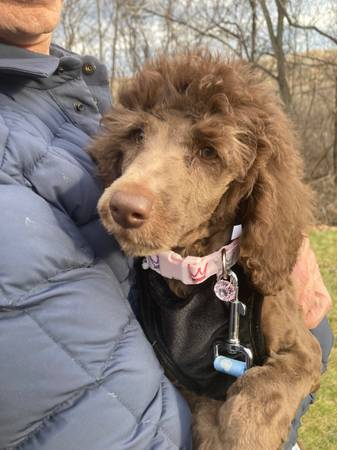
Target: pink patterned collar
{"points": [[194, 269]]}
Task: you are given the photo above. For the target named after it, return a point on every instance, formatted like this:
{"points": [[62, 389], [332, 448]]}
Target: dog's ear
{"points": [[103, 151], [106, 149], [275, 206]]}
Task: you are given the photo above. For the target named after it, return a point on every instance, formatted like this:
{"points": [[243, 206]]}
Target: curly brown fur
{"points": [[153, 144]]}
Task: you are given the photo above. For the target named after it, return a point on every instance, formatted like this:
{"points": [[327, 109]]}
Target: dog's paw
{"points": [[251, 420]]}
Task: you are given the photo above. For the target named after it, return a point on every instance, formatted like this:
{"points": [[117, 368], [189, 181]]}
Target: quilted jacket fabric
{"points": [[76, 370]]}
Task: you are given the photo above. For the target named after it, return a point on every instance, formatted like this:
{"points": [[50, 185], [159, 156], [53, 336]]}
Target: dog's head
{"points": [[192, 141]]}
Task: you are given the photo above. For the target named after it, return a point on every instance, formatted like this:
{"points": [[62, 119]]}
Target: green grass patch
{"points": [[319, 425]]}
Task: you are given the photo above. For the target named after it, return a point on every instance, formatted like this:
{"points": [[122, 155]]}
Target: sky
{"points": [[321, 13]]}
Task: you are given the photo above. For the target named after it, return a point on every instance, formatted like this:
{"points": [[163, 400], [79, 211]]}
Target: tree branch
{"points": [[185, 24], [294, 24]]}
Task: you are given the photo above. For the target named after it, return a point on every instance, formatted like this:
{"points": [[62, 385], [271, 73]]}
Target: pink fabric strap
{"points": [[194, 269], [312, 294]]}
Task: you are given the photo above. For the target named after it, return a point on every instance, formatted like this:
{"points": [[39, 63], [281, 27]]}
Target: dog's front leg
{"points": [[262, 403]]}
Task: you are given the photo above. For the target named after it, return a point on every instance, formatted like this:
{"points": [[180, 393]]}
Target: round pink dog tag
{"points": [[225, 290]]}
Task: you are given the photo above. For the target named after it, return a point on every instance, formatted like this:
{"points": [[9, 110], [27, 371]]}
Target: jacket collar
{"points": [[15, 60]]}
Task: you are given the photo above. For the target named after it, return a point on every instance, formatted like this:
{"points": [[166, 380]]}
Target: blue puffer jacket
{"points": [[76, 372]]}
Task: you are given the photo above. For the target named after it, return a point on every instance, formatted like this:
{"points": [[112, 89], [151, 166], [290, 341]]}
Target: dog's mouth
{"points": [[135, 243], [146, 224], [151, 240], [139, 231]]}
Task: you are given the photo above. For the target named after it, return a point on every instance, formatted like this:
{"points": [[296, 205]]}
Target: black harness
{"points": [[184, 332]]}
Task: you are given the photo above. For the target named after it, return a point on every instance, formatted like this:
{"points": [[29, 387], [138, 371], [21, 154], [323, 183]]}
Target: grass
{"points": [[319, 425]]}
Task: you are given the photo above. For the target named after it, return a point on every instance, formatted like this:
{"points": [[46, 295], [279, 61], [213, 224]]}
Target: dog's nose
{"points": [[130, 210]]}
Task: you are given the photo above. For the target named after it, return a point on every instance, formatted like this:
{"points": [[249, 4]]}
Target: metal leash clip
{"points": [[227, 290]]}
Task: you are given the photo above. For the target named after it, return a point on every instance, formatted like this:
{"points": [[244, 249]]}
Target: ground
{"points": [[319, 426]]}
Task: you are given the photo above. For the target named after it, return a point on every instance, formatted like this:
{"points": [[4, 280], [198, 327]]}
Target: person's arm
{"points": [[76, 370], [315, 301]]}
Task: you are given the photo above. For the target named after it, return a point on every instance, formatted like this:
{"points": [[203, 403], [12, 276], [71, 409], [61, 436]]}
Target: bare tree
{"points": [[73, 15], [276, 35], [283, 38]]}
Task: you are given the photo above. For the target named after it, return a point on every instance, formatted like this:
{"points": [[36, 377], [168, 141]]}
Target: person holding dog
{"points": [[77, 372], [76, 369]]}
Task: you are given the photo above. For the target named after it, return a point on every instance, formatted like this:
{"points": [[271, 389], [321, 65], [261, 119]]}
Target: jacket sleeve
{"points": [[76, 370]]}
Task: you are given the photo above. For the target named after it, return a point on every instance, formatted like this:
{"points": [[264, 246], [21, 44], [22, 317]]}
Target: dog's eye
{"points": [[208, 153], [138, 135]]}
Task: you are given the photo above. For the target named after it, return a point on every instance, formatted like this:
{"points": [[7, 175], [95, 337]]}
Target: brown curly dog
{"points": [[193, 140]]}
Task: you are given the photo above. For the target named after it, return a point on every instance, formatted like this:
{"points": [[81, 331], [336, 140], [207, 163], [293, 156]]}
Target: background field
{"points": [[319, 426]]}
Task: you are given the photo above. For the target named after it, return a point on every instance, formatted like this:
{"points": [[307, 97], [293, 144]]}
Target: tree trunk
{"points": [[114, 41], [100, 30], [276, 39], [335, 138], [254, 30]]}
